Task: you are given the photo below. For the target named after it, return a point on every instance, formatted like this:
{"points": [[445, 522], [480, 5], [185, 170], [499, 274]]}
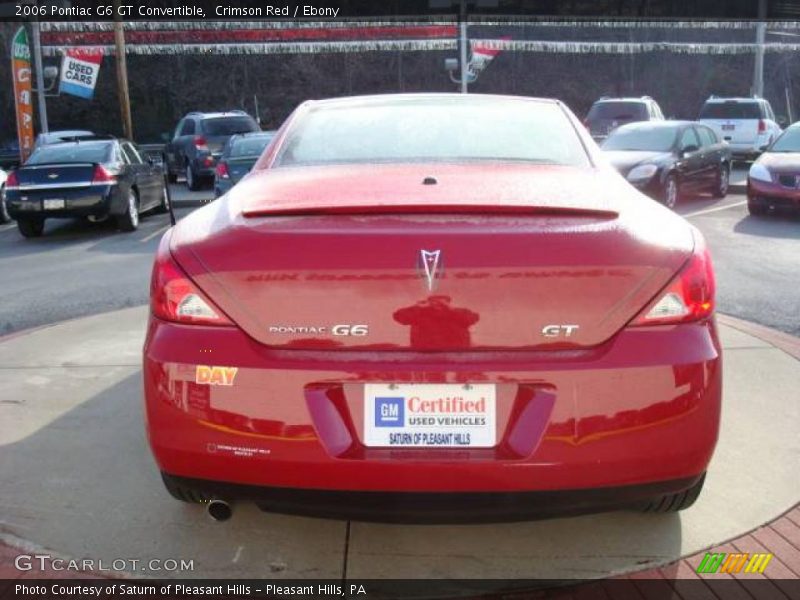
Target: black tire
{"points": [[4, 216], [670, 503], [723, 181], [129, 220], [183, 493], [192, 181], [670, 195], [31, 228], [164, 206], [171, 177], [756, 210]]}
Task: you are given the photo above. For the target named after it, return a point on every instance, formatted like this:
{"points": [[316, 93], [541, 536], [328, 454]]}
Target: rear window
{"points": [[250, 146], [229, 125], [442, 129], [618, 111], [71, 153], [731, 110]]}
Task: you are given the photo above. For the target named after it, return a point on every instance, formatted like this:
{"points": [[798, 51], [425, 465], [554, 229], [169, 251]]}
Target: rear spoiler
{"points": [[426, 209]]}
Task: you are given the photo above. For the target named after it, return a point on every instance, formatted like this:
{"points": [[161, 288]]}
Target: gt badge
{"points": [[205, 375]]}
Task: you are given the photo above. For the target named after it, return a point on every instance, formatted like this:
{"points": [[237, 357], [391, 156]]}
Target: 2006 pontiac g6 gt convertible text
{"points": [[433, 308]]}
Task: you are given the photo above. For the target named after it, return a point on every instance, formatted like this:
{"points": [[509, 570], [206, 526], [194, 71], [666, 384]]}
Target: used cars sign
{"points": [[79, 71]]}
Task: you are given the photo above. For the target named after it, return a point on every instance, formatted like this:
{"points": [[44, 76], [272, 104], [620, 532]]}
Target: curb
{"points": [[783, 341]]}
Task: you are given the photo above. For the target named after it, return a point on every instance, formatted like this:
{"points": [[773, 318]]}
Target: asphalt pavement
{"points": [[79, 268]]}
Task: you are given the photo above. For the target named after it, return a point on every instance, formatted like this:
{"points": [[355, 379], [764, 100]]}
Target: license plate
{"points": [[423, 415], [53, 204], [728, 127]]}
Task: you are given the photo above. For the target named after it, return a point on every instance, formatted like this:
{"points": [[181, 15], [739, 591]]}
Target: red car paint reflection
{"points": [[588, 306]]}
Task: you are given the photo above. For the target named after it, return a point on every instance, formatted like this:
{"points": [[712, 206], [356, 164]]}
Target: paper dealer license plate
{"points": [[417, 415], [54, 203]]}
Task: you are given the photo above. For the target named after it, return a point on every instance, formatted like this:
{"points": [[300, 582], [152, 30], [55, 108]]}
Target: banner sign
{"points": [[79, 71], [23, 98]]}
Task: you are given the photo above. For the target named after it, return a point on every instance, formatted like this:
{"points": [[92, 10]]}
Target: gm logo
{"points": [[721, 562], [389, 412]]}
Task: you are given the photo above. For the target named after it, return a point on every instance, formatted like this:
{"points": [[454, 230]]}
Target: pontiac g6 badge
{"points": [[429, 260]]}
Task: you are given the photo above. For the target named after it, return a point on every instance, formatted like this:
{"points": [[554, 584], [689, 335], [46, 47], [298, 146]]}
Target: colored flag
{"points": [[23, 98], [79, 71]]}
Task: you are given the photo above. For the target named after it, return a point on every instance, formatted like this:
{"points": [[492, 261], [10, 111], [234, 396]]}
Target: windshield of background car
{"points": [[653, 139], [250, 146], [228, 125], [789, 141], [619, 111], [730, 110], [434, 130], [71, 153]]}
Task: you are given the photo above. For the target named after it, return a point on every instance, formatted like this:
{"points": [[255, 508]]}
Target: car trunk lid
{"points": [[54, 175]]}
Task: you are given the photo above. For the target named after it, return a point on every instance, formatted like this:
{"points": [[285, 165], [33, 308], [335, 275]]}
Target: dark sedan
{"points": [[238, 156], [774, 179], [669, 159], [96, 179]]}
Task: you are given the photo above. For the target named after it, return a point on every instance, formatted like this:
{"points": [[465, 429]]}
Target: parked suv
{"points": [[609, 113], [198, 141], [747, 124]]}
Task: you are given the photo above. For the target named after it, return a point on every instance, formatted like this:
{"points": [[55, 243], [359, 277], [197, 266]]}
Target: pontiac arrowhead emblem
{"points": [[52, 175], [430, 264]]}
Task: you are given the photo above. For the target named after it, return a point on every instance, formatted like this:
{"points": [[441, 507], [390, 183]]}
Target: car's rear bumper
{"points": [[437, 507], [96, 201], [642, 408], [772, 195]]}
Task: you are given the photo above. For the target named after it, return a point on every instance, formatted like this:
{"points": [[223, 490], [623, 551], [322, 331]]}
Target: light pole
{"points": [[462, 18], [761, 31]]}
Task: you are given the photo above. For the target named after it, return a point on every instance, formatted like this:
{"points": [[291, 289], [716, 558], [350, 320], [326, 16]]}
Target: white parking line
{"points": [[158, 231], [715, 209], [7, 226]]}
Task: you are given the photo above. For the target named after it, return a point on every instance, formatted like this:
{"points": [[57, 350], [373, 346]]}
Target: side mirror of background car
{"points": [[689, 149]]}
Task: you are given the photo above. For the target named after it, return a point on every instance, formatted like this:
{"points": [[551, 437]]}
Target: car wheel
{"points": [[756, 210], [4, 216], [183, 493], [671, 192], [164, 206], [129, 220], [192, 181], [670, 503], [723, 179], [31, 228]]}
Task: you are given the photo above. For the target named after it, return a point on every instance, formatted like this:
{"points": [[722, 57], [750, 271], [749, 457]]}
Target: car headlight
{"points": [[760, 172], [642, 172]]}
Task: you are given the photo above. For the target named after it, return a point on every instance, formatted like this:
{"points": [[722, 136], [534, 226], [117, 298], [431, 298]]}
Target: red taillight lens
{"points": [[200, 141], [222, 171], [688, 297], [103, 175], [762, 127], [12, 181], [174, 297]]}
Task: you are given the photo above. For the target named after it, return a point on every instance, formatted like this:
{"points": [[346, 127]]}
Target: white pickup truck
{"points": [[747, 124]]}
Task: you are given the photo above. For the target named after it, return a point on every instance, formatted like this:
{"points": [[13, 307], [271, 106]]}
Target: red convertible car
{"points": [[433, 308]]}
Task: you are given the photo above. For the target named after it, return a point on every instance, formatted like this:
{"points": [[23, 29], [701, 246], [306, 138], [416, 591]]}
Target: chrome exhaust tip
{"points": [[219, 510]]}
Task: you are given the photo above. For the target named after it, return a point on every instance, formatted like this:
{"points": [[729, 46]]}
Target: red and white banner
{"points": [[79, 71]]}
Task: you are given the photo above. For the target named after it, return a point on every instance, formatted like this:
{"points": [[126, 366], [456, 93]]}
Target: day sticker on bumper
{"points": [[429, 415]]}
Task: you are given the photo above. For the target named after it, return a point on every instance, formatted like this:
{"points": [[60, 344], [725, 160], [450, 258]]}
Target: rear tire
{"points": [[670, 503], [192, 181], [183, 493], [164, 206], [4, 216], [31, 228], [171, 177], [723, 180], [129, 220]]}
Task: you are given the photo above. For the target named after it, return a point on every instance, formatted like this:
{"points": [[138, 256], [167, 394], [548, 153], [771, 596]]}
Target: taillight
{"points": [[102, 175], [200, 142], [762, 126], [688, 297], [174, 297], [222, 171], [12, 181]]}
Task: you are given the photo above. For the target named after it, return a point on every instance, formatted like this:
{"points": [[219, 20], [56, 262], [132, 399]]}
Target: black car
{"points": [[198, 141], [238, 156], [666, 159], [93, 178]]}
